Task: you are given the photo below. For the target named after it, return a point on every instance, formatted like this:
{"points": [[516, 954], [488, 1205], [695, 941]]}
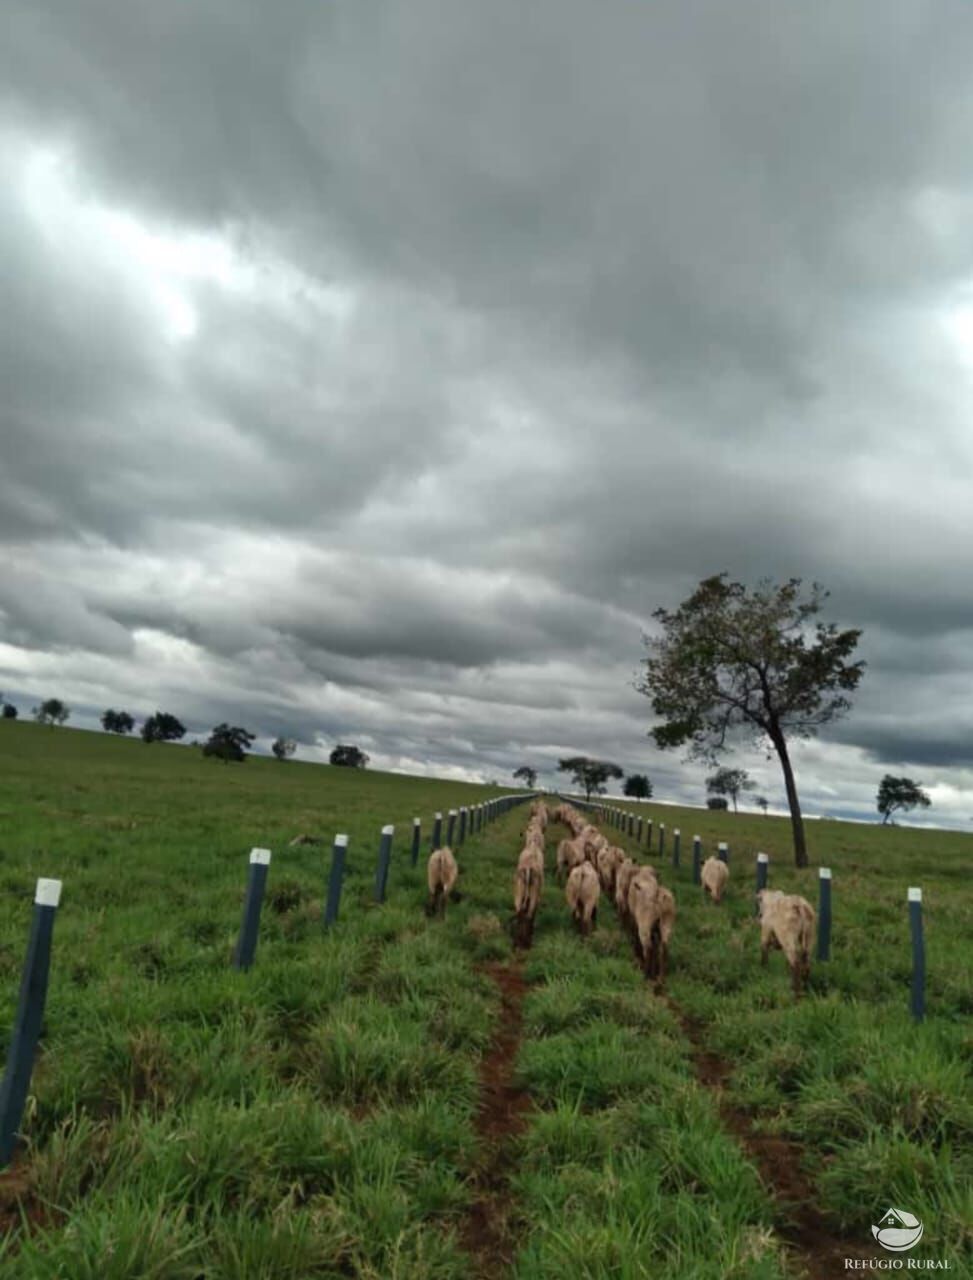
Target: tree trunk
{"points": [[797, 822]]}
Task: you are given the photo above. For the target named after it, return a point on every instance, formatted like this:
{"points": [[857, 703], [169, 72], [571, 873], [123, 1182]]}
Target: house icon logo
{"points": [[898, 1231]]}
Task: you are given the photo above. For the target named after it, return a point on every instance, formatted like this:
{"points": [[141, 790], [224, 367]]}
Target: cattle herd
{"points": [[589, 866]]}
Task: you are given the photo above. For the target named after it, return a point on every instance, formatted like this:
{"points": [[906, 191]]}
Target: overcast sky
{"points": [[371, 371]]}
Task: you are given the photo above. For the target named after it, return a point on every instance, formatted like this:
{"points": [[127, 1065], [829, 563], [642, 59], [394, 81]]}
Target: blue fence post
{"points": [[335, 880], [676, 840], [918, 955], [824, 913], [462, 825], [29, 1016], [382, 866], [450, 827], [631, 824], [416, 838], [762, 861], [662, 838], [437, 832], [246, 947], [723, 852], [697, 858]]}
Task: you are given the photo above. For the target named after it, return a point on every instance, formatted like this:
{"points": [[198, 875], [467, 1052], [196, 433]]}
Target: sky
{"points": [[372, 372]]}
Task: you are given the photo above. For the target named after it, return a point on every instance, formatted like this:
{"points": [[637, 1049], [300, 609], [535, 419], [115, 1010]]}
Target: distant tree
{"points": [[899, 793], [9, 711], [228, 743], [717, 802], [51, 712], [117, 722], [729, 782], [590, 774], [731, 660], [762, 803], [638, 785], [283, 748], [162, 727], [349, 757], [528, 775]]}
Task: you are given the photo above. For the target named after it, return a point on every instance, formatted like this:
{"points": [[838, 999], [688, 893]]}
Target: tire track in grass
{"points": [[806, 1231], [501, 1117]]}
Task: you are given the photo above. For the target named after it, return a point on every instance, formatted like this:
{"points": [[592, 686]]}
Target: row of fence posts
{"points": [[29, 1016], [628, 823]]}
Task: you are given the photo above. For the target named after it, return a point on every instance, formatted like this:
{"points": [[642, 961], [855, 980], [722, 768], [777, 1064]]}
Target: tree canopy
{"points": [[229, 742], [527, 775], [52, 712], [162, 727], [591, 775], [117, 721], [899, 794], [729, 782], [638, 785], [283, 748], [9, 711], [732, 660], [349, 757]]}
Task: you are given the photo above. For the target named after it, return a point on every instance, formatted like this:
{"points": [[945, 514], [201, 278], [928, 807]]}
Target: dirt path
{"points": [[487, 1232], [806, 1231]]}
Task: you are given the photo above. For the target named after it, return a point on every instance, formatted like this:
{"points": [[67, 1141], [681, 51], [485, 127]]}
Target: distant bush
{"points": [[283, 747], [9, 711], [717, 802], [350, 757]]}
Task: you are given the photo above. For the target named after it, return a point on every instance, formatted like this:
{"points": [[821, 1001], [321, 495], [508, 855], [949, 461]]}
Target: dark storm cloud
{"points": [[382, 368]]}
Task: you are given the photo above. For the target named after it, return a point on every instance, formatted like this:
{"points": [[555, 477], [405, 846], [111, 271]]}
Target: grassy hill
{"points": [[323, 1114]]}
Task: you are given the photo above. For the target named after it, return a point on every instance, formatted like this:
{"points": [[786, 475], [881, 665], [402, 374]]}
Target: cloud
{"points": [[380, 369]]}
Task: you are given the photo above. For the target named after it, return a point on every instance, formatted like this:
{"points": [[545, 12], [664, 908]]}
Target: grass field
{"points": [[321, 1115]]}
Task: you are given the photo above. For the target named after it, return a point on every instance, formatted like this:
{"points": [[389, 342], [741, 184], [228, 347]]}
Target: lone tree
{"points": [[899, 793], [729, 782], [228, 743], [638, 785], [51, 712], [9, 711], [162, 727], [349, 757], [117, 721], [762, 803], [528, 774], [731, 659], [283, 748], [590, 774]]}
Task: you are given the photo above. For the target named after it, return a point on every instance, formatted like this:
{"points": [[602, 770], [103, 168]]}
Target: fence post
{"points": [[638, 837], [676, 839], [662, 838], [246, 946], [437, 832], [648, 834], [450, 827], [416, 837], [631, 824], [697, 858], [29, 1016], [762, 861], [335, 880], [918, 955], [382, 867], [824, 913], [462, 824], [723, 851]]}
